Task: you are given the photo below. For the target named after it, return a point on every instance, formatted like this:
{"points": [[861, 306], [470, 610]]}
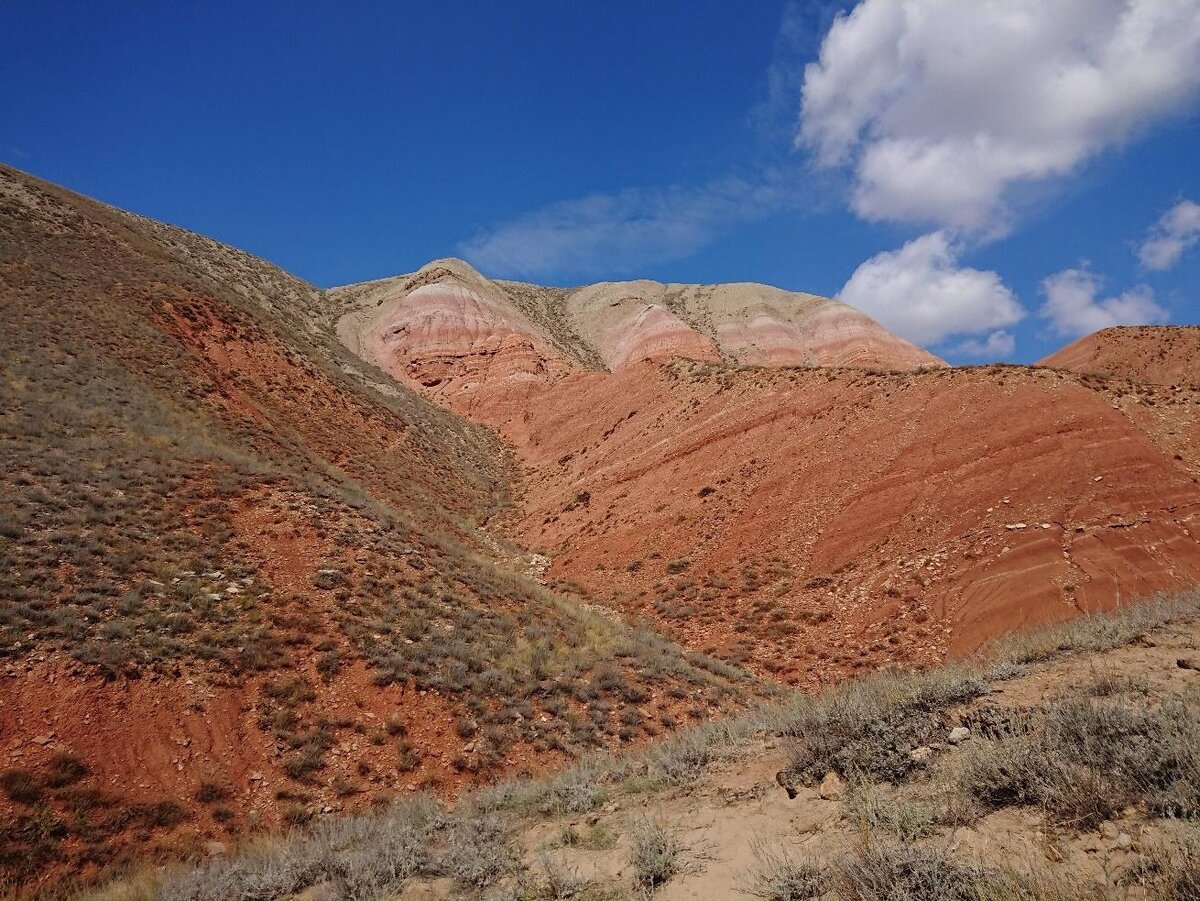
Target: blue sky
{"points": [[990, 191]]}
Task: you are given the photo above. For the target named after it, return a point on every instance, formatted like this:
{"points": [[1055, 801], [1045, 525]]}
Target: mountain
{"points": [[471, 339], [1164, 355], [270, 553], [245, 576], [806, 500]]}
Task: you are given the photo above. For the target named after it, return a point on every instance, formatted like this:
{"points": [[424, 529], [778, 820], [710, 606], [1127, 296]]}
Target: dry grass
{"points": [[153, 386], [656, 854], [1153, 746], [1082, 760], [777, 876]]}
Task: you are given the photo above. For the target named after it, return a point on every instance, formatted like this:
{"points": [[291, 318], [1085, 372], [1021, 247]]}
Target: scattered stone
{"points": [[1124, 842], [43, 739], [958, 735], [832, 787], [786, 784], [1191, 663], [1016, 525], [256, 777], [1109, 830], [921, 754], [962, 835]]}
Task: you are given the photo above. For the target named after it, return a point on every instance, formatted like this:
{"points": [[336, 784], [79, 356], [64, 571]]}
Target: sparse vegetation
{"points": [[904, 856], [1082, 760], [368, 855], [196, 479], [868, 729], [21, 786], [655, 853], [177, 499], [778, 877]]}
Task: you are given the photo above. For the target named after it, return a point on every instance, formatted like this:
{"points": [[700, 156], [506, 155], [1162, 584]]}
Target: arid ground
{"points": [[272, 555]]}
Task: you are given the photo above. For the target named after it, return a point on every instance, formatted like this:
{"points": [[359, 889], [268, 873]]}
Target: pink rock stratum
{"points": [[448, 330]]}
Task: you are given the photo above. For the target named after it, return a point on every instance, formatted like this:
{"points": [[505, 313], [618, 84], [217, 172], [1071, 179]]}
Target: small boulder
{"points": [[786, 784], [832, 787], [958, 735], [963, 837]]}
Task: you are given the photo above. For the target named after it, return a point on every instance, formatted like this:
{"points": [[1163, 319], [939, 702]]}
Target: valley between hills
{"points": [[272, 555]]}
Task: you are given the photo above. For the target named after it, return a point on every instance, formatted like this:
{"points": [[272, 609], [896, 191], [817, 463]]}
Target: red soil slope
{"points": [[811, 522], [814, 522], [243, 576], [1164, 355]]}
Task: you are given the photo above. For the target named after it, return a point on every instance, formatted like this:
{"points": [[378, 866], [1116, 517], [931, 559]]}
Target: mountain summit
{"points": [[450, 328]]}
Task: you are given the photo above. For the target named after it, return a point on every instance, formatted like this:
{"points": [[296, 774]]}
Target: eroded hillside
{"points": [[243, 579], [257, 569], [1163, 355], [809, 521], [1060, 766], [473, 343]]}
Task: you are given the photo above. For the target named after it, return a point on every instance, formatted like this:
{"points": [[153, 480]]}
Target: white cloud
{"points": [[942, 106], [1072, 307], [996, 346], [921, 293], [1177, 231], [613, 233]]}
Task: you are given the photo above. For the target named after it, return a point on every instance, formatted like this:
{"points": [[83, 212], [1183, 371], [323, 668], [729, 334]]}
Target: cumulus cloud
{"points": [[1072, 307], [921, 293], [995, 346], [942, 107], [1177, 231], [614, 233]]}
